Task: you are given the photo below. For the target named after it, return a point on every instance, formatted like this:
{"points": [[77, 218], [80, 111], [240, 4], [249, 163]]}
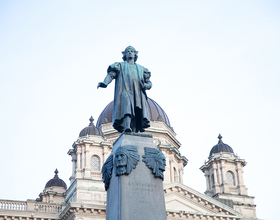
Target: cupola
{"points": [[54, 191], [90, 130], [56, 181], [220, 147]]}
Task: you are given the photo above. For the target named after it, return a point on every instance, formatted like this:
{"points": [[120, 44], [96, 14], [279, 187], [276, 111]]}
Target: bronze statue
{"points": [[130, 113]]}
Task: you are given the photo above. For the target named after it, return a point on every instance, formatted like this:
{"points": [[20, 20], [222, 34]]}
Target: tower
{"points": [[88, 154], [54, 191], [224, 179]]}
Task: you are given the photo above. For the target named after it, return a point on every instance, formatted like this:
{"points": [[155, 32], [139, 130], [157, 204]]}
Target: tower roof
{"points": [[155, 111], [56, 181], [220, 147], [90, 129]]}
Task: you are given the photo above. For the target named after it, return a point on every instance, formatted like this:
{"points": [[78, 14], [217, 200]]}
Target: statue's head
{"points": [[126, 159], [160, 159], [130, 52], [121, 157], [155, 160]]}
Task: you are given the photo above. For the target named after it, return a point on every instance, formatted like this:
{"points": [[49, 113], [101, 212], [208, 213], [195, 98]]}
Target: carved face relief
{"points": [[155, 160], [126, 159], [162, 164], [121, 159]]}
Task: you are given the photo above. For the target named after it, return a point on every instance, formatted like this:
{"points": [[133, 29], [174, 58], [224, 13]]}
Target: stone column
{"points": [[83, 156], [216, 185], [78, 157], [78, 170], [224, 182], [167, 173], [138, 195], [207, 180], [219, 175], [171, 172], [240, 187], [180, 175], [74, 159], [239, 174], [87, 161]]}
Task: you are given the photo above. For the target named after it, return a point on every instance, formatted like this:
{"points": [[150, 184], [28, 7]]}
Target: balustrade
{"points": [[13, 205], [47, 208], [22, 206]]}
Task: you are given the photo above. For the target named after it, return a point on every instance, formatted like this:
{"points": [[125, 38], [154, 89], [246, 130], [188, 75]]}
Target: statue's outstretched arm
{"points": [[108, 79]]}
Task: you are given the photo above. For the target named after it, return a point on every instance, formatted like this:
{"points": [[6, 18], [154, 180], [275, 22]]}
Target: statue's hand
{"points": [[143, 84], [146, 87], [102, 85]]}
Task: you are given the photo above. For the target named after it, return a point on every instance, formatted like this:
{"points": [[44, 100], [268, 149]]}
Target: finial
{"points": [[220, 139], [91, 121], [56, 172]]}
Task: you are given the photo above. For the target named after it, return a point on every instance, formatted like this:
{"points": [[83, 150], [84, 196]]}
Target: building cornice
{"points": [[83, 210], [201, 200]]}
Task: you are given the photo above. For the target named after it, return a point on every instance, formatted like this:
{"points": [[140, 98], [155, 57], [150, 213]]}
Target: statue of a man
{"points": [[130, 112]]}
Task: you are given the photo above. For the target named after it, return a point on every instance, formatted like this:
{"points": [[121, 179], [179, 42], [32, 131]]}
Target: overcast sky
{"points": [[215, 69]]}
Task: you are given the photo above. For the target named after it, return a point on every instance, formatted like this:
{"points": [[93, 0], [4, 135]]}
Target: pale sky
{"points": [[215, 69]]}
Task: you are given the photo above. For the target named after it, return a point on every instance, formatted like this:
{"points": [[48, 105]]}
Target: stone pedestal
{"points": [[139, 195]]}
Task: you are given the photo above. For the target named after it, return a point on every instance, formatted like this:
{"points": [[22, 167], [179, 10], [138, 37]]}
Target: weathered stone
{"points": [[138, 195], [155, 160]]}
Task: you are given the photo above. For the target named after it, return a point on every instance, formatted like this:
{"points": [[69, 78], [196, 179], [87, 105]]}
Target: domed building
{"points": [[224, 178], [54, 191], [163, 135], [225, 197]]}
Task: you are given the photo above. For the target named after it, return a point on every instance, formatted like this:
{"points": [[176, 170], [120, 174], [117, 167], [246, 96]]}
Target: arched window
{"points": [[230, 178], [95, 163]]}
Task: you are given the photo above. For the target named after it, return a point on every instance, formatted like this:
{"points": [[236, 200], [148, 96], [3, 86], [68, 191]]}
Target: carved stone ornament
{"points": [[107, 169], [155, 160], [126, 159]]}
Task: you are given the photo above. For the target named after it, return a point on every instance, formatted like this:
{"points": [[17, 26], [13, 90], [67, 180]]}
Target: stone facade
{"points": [[225, 198], [224, 180]]}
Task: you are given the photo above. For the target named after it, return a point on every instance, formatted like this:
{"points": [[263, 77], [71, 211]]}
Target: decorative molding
{"points": [[201, 200]]}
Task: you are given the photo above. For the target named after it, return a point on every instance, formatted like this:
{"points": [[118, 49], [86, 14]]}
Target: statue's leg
{"points": [[133, 124], [139, 120], [127, 122]]}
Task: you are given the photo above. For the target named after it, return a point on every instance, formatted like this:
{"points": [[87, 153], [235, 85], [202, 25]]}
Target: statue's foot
{"points": [[127, 130]]}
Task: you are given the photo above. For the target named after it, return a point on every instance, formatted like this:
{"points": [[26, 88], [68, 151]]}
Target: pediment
{"points": [[183, 199]]}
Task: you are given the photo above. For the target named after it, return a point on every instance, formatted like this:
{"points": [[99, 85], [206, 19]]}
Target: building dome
{"points": [[56, 181], [155, 111], [220, 147], [91, 129]]}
